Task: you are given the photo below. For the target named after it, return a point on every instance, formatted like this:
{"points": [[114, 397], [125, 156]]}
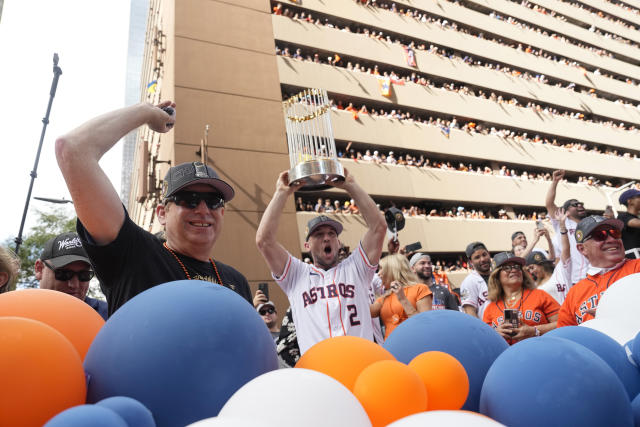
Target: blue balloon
{"points": [[635, 407], [132, 411], [608, 349], [554, 381], [181, 349], [635, 349], [475, 344], [87, 415]]}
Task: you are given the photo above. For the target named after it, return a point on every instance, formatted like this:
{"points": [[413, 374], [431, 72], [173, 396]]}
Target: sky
{"points": [[90, 37]]}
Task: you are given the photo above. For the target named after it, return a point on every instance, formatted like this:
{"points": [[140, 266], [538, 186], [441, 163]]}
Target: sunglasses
{"points": [[66, 275], [192, 199], [576, 205], [269, 310], [510, 267], [601, 234]]}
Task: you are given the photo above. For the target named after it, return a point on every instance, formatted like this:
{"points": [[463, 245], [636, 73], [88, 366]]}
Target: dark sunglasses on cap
{"points": [[576, 205], [269, 310], [601, 234], [192, 199], [65, 275]]}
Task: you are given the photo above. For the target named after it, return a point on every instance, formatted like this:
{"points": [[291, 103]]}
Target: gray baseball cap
{"points": [[472, 247], [588, 224], [320, 221], [186, 174], [505, 257]]}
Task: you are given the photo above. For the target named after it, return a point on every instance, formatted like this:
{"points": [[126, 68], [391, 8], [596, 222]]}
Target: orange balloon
{"points": [[444, 377], [71, 316], [389, 390], [41, 373], [343, 358]]}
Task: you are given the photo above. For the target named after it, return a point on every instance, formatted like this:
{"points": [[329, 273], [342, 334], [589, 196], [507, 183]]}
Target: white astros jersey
{"points": [[329, 303]]}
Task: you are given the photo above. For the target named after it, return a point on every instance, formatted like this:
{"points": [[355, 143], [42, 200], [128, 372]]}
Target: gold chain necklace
{"points": [[186, 273]]}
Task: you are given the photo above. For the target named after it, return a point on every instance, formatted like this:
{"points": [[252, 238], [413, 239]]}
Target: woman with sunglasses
{"points": [[404, 295], [517, 310]]}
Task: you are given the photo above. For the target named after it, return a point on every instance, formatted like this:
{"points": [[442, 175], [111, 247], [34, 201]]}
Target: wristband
{"points": [[537, 331]]}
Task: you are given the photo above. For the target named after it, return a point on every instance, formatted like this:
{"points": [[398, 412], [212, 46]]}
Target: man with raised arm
{"points": [[329, 297], [575, 213], [128, 259]]}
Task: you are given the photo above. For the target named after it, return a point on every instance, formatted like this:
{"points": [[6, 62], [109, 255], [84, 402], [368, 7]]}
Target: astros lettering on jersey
{"points": [[329, 303]]}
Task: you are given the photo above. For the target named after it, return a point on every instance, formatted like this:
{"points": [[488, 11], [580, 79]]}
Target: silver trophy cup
{"points": [[312, 149]]}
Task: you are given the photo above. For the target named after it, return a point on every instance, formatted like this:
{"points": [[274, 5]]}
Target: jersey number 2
{"points": [[353, 317]]}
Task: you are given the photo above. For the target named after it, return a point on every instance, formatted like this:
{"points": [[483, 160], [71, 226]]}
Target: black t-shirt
{"points": [[136, 261], [442, 298], [630, 235]]}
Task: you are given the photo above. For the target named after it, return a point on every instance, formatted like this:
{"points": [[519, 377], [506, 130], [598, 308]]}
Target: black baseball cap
{"points": [[64, 249], [504, 257], [624, 197], [588, 224], [322, 220], [474, 246], [186, 174], [536, 257]]}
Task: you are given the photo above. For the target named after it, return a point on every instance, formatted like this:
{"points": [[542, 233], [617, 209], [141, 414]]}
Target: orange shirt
{"points": [[392, 313], [536, 306], [585, 294]]}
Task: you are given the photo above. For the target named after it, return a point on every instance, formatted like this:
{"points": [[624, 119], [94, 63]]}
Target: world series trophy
{"points": [[312, 149]]}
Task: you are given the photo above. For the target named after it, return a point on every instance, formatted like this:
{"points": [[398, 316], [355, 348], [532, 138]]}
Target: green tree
{"points": [[49, 224]]}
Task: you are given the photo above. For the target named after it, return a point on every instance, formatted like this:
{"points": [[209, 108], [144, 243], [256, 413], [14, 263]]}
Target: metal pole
{"points": [[57, 71]]}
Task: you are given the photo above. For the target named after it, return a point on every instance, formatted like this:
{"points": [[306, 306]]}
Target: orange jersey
{"points": [[536, 306], [585, 294], [392, 313]]}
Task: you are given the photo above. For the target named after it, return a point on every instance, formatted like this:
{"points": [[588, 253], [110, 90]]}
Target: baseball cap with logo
{"points": [[505, 257], [64, 249], [537, 257], [624, 197], [186, 174], [474, 246], [588, 224], [320, 221]]}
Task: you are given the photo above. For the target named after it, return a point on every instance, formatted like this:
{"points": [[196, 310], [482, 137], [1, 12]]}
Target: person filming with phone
{"points": [[517, 310]]}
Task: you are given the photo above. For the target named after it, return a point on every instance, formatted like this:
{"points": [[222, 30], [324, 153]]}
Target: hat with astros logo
{"points": [[320, 221], [588, 224], [537, 257]]}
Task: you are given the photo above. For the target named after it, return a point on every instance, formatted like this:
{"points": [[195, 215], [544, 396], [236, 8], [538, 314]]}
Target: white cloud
{"points": [[91, 38]]}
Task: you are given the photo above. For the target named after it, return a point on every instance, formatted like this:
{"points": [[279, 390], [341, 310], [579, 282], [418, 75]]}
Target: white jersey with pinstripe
{"points": [[329, 303]]}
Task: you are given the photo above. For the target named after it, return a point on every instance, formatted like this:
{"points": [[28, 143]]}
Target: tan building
{"points": [[578, 65]]}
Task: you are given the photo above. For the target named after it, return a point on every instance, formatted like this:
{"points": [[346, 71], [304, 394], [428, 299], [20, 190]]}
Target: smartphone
{"points": [[511, 316], [539, 225], [264, 287], [413, 247]]}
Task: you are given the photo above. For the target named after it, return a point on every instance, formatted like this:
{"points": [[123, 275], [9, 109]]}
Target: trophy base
{"points": [[315, 174]]}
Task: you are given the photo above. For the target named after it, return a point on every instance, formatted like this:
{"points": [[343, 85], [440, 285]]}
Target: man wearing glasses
{"points": [[63, 266], [598, 239], [269, 315], [575, 212], [129, 260]]}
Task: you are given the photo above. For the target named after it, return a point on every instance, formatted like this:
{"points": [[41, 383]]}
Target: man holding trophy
{"points": [[329, 297]]}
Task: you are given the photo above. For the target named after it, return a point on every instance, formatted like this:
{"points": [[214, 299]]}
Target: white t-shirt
{"points": [[579, 264], [375, 290], [560, 282], [474, 292], [329, 303]]}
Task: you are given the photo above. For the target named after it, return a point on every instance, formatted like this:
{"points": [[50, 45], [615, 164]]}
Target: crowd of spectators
{"points": [[451, 53], [604, 15], [407, 159]]}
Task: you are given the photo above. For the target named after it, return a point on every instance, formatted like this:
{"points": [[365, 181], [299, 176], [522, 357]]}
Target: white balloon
{"points": [[617, 309], [226, 422], [614, 328], [446, 418], [296, 397]]}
